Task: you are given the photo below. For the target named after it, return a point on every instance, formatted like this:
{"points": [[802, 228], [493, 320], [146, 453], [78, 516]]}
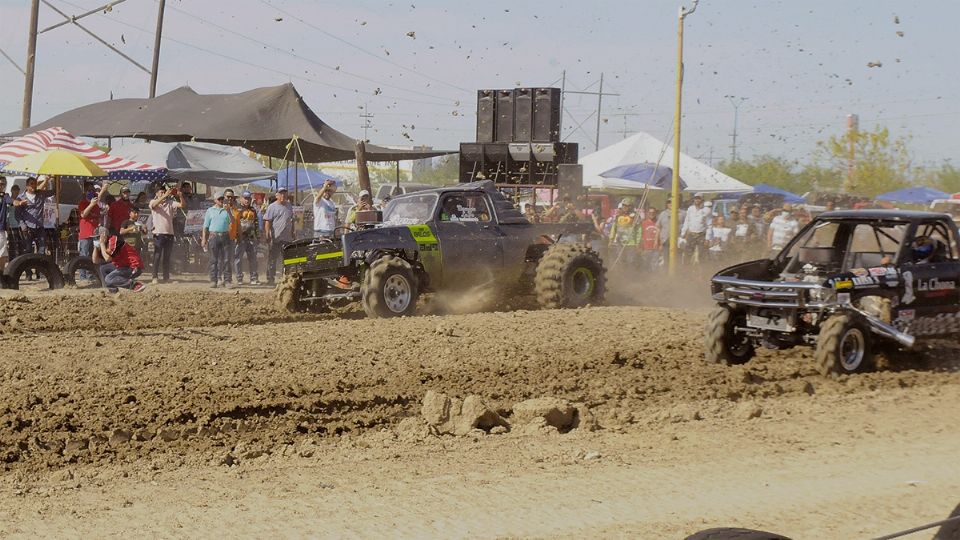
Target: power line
{"points": [[310, 60], [365, 51], [265, 68]]}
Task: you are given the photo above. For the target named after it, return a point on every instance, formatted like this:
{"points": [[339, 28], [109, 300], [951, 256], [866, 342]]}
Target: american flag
{"points": [[57, 138]]}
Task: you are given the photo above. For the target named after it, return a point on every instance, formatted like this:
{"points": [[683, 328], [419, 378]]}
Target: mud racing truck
{"points": [[850, 283], [448, 239]]}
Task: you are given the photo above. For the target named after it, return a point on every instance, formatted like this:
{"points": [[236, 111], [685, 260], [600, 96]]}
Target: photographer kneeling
{"points": [[120, 264]]}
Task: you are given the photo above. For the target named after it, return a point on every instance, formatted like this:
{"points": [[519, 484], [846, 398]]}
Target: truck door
{"points": [[931, 299], [471, 241]]}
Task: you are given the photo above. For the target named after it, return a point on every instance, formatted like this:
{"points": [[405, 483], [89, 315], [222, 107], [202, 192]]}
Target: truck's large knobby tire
{"points": [[735, 533], [40, 264], [570, 276], [288, 294], [843, 346], [390, 288], [75, 265], [722, 343]]}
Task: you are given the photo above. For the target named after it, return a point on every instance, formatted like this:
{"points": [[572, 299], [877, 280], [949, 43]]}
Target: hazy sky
{"points": [[801, 64]]}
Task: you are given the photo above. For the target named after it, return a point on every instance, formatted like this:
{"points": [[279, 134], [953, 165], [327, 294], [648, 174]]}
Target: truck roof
{"points": [[891, 215]]}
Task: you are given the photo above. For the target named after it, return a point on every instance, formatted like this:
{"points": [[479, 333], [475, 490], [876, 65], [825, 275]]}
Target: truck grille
{"points": [[778, 294]]}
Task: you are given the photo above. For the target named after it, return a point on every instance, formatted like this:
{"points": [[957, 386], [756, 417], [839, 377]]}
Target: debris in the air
{"points": [[899, 33], [896, 19], [278, 19], [412, 35], [874, 64]]}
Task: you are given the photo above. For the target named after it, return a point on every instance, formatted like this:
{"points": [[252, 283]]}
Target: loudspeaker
{"points": [[546, 115], [569, 181], [504, 110], [486, 115], [523, 114]]}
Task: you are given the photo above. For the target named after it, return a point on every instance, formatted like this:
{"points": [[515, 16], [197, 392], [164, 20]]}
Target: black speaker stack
{"points": [[518, 138]]}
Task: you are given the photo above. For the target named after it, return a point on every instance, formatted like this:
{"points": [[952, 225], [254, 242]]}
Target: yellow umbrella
{"points": [[55, 163]]}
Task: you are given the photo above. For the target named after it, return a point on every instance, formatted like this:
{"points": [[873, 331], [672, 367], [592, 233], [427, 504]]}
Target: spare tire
{"points": [[35, 262], [79, 263]]}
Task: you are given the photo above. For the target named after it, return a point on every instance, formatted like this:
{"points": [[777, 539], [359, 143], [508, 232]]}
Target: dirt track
{"points": [[99, 399]]}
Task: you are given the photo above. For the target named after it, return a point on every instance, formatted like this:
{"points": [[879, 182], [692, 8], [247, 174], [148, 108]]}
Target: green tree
{"points": [[880, 164], [765, 169], [946, 178]]}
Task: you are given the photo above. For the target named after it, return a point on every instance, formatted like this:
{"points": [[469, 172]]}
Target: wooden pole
{"points": [[156, 50], [31, 61], [363, 173]]}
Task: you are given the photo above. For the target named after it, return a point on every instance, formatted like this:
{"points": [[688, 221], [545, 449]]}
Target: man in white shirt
{"points": [[695, 224], [718, 236], [325, 211], [782, 228]]}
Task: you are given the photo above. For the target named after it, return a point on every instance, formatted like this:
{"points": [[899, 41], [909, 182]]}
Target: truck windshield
{"points": [[410, 209]]}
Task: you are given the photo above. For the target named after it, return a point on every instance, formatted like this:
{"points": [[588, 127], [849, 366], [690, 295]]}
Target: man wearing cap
{"points": [[695, 224], [119, 210], [30, 213], [245, 228], [325, 210], [89, 209], [365, 204], [277, 230], [215, 238]]}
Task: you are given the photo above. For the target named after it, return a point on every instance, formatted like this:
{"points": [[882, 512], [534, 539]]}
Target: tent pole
{"points": [[363, 173], [398, 176]]}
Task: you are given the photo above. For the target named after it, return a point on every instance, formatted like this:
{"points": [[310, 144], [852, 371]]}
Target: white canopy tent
{"points": [[643, 147]]}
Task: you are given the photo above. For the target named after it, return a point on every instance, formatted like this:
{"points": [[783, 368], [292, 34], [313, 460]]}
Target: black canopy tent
{"points": [[263, 120]]}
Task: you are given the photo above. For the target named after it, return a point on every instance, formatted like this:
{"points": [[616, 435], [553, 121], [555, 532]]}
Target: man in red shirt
{"points": [[650, 240], [89, 209], [120, 210], [120, 263]]}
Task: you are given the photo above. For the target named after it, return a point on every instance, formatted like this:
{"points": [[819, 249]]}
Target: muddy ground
{"points": [[177, 413]]}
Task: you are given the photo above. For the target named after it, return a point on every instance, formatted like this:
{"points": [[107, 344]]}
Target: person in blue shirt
{"points": [[215, 238]]}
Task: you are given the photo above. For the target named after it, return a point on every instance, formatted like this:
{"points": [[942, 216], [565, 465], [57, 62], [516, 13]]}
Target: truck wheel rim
{"points": [[397, 293], [583, 282], [852, 349]]}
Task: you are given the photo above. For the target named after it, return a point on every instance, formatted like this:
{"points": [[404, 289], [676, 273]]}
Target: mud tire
{"points": [[570, 276], [76, 264], [735, 533], [843, 346], [32, 261], [720, 339], [390, 288], [288, 294]]}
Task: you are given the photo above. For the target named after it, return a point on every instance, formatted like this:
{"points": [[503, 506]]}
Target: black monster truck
{"points": [[850, 283], [454, 238]]}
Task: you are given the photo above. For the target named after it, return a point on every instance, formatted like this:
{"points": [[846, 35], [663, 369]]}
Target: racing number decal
{"points": [[429, 248]]}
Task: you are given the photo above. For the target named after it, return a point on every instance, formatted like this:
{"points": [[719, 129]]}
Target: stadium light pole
{"points": [[675, 184]]}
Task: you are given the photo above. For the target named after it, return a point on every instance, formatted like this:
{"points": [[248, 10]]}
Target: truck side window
{"points": [[465, 208], [942, 238]]}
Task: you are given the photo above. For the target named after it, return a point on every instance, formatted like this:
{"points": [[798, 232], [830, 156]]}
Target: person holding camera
{"points": [[163, 208], [120, 264]]}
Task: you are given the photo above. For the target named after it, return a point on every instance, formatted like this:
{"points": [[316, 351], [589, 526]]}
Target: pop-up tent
{"points": [[263, 120], [57, 138], [913, 195], [764, 189], [299, 178], [212, 164], [641, 148]]}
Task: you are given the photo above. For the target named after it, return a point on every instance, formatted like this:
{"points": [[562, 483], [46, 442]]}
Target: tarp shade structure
{"points": [[57, 138], [643, 147], [913, 195], [262, 120], [650, 174], [304, 179], [211, 164], [764, 189]]}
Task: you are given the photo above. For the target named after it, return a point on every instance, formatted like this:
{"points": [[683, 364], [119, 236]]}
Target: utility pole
{"points": [[366, 117], [675, 184], [31, 61], [853, 127], [156, 49], [736, 102], [599, 95]]}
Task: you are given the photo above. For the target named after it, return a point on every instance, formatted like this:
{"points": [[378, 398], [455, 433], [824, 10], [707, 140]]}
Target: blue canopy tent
{"points": [[649, 174], [300, 178], [764, 189], [913, 195]]}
